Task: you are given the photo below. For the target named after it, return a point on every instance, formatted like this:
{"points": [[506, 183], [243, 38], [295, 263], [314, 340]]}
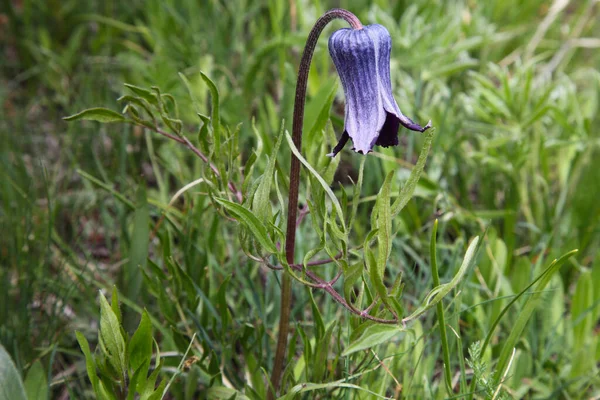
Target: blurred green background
{"points": [[513, 89]]}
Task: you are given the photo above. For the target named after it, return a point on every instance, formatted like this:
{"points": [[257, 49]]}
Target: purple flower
{"points": [[362, 59]]}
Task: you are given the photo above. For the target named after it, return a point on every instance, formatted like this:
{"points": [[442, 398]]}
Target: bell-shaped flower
{"points": [[362, 59]]}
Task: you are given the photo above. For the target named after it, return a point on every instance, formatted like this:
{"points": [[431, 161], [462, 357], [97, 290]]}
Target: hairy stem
{"points": [[290, 245]]}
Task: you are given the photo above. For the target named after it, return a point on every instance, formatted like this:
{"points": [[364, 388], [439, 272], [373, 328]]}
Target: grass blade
{"points": [[526, 313]]}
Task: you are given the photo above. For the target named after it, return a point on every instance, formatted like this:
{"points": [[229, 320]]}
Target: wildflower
{"points": [[372, 117]]}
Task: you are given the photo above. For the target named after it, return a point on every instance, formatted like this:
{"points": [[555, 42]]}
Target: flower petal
{"points": [[338, 147], [383, 47], [354, 56]]}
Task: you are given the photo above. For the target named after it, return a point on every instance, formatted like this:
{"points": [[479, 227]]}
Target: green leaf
{"points": [[36, 382], [251, 222], [97, 114], [223, 393], [318, 318], [319, 369], [159, 391], [149, 388], [135, 116], [409, 187], [90, 364], [352, 274], [324, 184], [221, 303], [114, 304], [372, 336], [376, 276], [328, 165], [164, 386], [117, 24], [140, 346], [111, 338], [188, 86], [356, 192], [138, 101], [174, 124], [130, 108], [106, 392], [438, 293], [384, 224], [143, 93], [582, 310], [582, 313], [525, 314], [215, 118], [11, 385], [137, 382], [330, 386], [261, 203], [138, 252], [440, 308]]}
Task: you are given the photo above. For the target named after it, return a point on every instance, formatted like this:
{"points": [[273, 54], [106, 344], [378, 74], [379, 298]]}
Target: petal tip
{"points": [[427, 126]]}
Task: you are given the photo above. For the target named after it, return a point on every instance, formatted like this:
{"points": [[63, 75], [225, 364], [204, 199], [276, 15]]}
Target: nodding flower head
{"points": [[362, 59]]}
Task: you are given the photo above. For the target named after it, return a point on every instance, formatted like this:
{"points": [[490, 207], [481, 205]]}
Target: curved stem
{"points": [[290, 238]]}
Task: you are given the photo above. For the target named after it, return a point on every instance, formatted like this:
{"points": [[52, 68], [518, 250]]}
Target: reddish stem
{"points": [[290, 245]]}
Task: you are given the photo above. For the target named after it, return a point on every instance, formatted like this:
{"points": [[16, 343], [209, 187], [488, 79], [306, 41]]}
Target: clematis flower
{"points": [[372, 117]]}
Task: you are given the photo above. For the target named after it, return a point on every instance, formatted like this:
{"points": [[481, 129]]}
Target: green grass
{"points": [[513, 91]]}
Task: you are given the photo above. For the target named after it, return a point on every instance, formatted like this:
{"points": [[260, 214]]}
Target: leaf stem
{"points": [[290, 245], [186, 142]]}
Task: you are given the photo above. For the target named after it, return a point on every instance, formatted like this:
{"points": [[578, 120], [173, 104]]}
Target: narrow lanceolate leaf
{"points": [[375, 276], [384, 224], [114, 304], [357, 191], [410, 185], [224, 393], [329, 386], [250, 220], [140, 346], [145, 94], [372, 336], [149, 389], [437, 294], [261, 203], [188, 86], [352, 274], [111, 337], [582, 310], [11, 386], [215, 118], [97, 114], [90, 363], [324, 184]]}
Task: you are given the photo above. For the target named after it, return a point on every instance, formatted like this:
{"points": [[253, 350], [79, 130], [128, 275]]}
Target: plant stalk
{"points": [[440, 311], [290, 238]]}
